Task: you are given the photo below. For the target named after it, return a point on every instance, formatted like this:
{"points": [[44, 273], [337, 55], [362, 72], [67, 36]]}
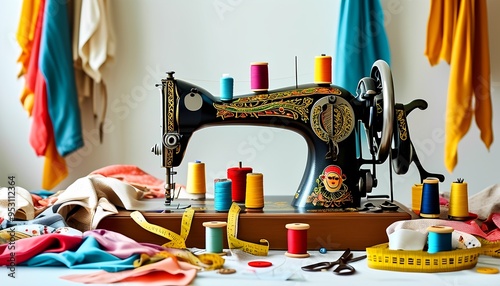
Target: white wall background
{"points": [[200, 40]]}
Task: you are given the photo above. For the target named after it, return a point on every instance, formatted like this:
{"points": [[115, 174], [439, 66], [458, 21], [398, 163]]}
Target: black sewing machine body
{"points": [[329, 118]]}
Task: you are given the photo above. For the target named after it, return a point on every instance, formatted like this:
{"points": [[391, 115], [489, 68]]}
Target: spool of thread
{"points": [[196, 185], [254, 198], [238, 177], [323, 69], [226, 87], [259, 76], [222, 195], [459, 201], [214, 236], [297, 240], [429, 207], [416, 198], [439, 239]]}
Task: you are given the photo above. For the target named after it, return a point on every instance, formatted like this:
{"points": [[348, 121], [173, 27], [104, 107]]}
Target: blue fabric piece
{"points": [[56, 65], [88, 256], [361, 40]]}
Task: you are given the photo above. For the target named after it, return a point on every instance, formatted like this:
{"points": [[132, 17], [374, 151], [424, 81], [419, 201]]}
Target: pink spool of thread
{"points": [[259, 76]]}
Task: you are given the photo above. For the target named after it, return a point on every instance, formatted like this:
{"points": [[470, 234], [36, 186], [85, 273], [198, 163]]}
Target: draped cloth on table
{"points": [[361, 41], [457, 32]]}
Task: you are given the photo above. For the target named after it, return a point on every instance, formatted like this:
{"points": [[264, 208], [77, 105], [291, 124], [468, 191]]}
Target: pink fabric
{"points": [[26, 248], [164, 272], [135, 176], [121, 246]]}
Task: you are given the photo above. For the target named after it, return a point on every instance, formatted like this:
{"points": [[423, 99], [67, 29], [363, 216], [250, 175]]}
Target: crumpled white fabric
{"points": [[16, 201]]}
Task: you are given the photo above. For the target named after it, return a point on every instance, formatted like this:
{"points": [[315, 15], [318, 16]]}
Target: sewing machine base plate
{"points": [[332, 229]]}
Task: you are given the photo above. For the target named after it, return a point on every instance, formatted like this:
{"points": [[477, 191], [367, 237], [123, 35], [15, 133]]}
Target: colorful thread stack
{"points": [[238, 177], [196, 185], [439, 239], [226, 87], [297, 240], [222, 195], [430, 207], [416, 198], [459, 202], [259, 76], [254, 198], [214, 236], [323, 69]]}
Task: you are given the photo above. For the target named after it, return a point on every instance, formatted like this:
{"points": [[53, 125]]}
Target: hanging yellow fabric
{"points": [[26, 32], [457, 32]]}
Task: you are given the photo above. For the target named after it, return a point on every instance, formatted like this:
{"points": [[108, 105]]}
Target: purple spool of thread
{"points": [[259, 76]]}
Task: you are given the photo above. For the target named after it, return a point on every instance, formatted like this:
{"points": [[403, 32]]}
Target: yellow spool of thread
{"points": [[416, 198], [323, 69], [196, 185], [459, 201], [254, 197]]}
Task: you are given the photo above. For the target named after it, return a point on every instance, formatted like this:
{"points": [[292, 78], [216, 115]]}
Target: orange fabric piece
{"points": [[457, 32], [168, 271], [26, 31], [29, 36]]}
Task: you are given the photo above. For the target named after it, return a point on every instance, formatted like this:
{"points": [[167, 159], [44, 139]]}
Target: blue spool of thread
{"points": [[222, 195], [214, 233], [439, 239], [226, 87], [429, 207]]}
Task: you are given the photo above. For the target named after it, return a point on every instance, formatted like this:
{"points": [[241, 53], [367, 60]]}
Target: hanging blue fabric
{"points": [[56, 64], [361, 40]]}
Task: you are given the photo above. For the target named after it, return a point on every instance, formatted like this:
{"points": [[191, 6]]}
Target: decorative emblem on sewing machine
{"points": [[330, 119], [331, 190]]}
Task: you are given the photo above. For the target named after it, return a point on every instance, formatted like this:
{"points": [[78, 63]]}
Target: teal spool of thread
{"points": [[214, 231], [226, 87], [439, 239], [222, 195]]}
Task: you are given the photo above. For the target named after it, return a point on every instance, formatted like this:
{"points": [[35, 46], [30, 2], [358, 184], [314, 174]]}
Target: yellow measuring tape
{"points": [[176, 240], [177, 243], [205, 261], [235, 243]]}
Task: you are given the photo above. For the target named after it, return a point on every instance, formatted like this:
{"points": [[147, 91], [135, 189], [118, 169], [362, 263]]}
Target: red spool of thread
{"points": [[238, 177], [259, 76], [297, 240]]}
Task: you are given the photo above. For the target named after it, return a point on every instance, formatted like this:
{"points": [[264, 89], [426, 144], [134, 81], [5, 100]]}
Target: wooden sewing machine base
{"points": [[334, 230]]}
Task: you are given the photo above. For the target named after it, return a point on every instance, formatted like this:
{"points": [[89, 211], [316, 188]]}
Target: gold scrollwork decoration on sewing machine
{"points": [[292, 104], [172, 97], [403, 130]]}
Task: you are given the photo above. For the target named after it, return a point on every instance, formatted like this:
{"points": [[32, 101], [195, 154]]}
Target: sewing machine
{"points": [[332, 120]]}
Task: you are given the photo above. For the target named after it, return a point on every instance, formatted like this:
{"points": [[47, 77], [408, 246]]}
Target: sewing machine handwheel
{"points": [[381, 73]]}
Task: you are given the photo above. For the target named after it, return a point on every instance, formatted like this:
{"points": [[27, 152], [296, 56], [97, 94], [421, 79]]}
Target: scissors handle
{"points": [[344, 269]]}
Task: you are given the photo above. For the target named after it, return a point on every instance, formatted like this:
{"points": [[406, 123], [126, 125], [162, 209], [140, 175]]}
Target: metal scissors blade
{"points": [[324, 266]]}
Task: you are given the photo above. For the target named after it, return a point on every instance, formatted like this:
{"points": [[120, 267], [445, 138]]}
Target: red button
{"points": [[259, 263]]}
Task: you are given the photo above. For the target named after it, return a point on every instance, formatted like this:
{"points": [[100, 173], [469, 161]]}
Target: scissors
{"points": [[343, 267]]}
